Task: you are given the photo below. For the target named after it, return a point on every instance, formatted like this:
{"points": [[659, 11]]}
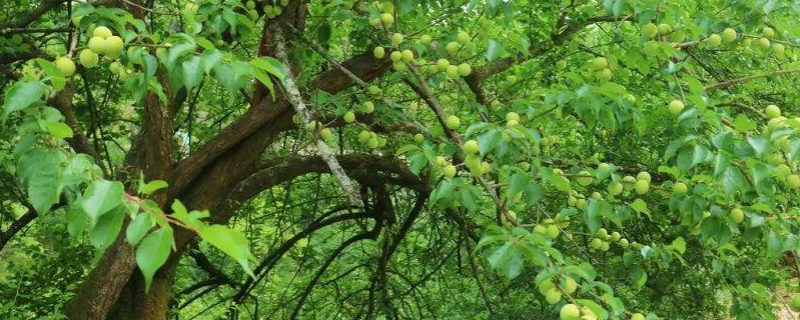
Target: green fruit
{"points": [[602, 233], [541, 230], [326, 134], [373, 142], [605, 246], [623, 243], [553, 231], [102, 32], [463, 38], [511, 124], [729, 35], [66, 66], [407, 56], [585, 178], [615, 188], [369, 107], [615, 236], [88, 58], [425, 39], [769, 33], [97, 44], [471, 147], [473, 163], [637, 316], [794, 304], [599, 63], [772, 111], [449, 171], [250, 5], [561, 64], [664, 29], [643, 176], [604, 75], [364, 136], [628, 182], [604, 166], [441, 161], [570, 285], [112, 47], [115, 68], [676, 106], [570, 312], [778, 49], [680, 188], [396, 56], [397, 39], [511, 80], [737, 215], [452, 122], [763, 43], [596, 243], [793, 181], [642, 186], [452, 47], [452, 71], [191, 7], [387, 7], [442, 64], [379, 52], [349, 117], [387, 18], [784, 169], [547, 285], [374, 22], [553, 296], [649, 30], [714, 40], [419, 138], [512, 116], [485, 167], [464, 69]]}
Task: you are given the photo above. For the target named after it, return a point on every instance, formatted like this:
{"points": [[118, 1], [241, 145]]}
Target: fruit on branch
{"points": [[375, 22], [570, 285], [615, 188], [615, 236], [452, 72], [637, 316], [419, 138], [778, 50], [97, 44], [326, 134], [584, 178], [473, 163], [88, 58], [471, 147], [644, 175], [729, 35], [364, 136], [642, 186], [442, 64], [676, 106], [369, 107], [112, 46], [115, 68], [452, 122], [387, 19], [65, 65], [464, 69], [664, 29], [349, 117], [425, 39], [396, 56], [623, 243], [553, 296], [102, 32], [793, 181], [629, 182], [510, 124], [449, 171], [772, 111], [714, 40], [680, 188], [512, 80], [649, 30], [737, 215], [379, 52], [768, 32], [763, 43], [570, 312], [374, 90], [452, 48], [561, 64], [397, 39], [407, 56], [599, 63], [250, 5], [552, 231]]}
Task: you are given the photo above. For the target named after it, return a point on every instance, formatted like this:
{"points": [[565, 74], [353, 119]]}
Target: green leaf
{"points": [[153, 252], [153, 186], [639, 276], [40, 169], [106, 229], [21, 96], [231, 242], [271, 66], [191, 72], [507, 261], [101, 197], [493, 50], [138, 228], [59, 129], [517, 184], [679, 245], [76, 219], [489, 140]]}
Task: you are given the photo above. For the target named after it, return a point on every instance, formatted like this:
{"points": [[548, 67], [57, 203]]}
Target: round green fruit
{"points": [[570, 285], [397, 39], [793, 181], [552, 231], [512, 80], [452, 71], [349, 117], [644, 175], [605, 246], [737, 215], [561, 64], [407, 56], [97, 45], [642, 186], [452, 122], [387, 18], [615, 188], [553, 296], [615, 236], [425, 39], [369, 107], [664, 29], [637, 316], [112, 47], [585, 178], [599, 63], [676, 106], [379, 52], [442, 64], [88, 58], [596, 243], [763, 43], [623, 243], [66, 66], [680, 188], [570, 312], [729, 35], [649, 30], [464, 69], [326, 134], [396, 56], [102, 32], [769, 33], [714, 40], [449, 171], [778, 49], [452, 47], [463, 38], [364, 136]]}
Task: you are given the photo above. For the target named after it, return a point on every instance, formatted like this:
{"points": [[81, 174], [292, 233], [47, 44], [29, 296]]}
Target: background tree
{"points": [[398, 160]]}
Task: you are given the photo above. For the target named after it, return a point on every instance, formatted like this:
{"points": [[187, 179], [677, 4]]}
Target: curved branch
{"points": [[734, 82]]}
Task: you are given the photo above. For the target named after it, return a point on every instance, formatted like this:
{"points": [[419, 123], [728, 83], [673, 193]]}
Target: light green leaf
{"points": [[21, 96], [153, 252], [101, 197], [231, 242], [138, 228]]}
